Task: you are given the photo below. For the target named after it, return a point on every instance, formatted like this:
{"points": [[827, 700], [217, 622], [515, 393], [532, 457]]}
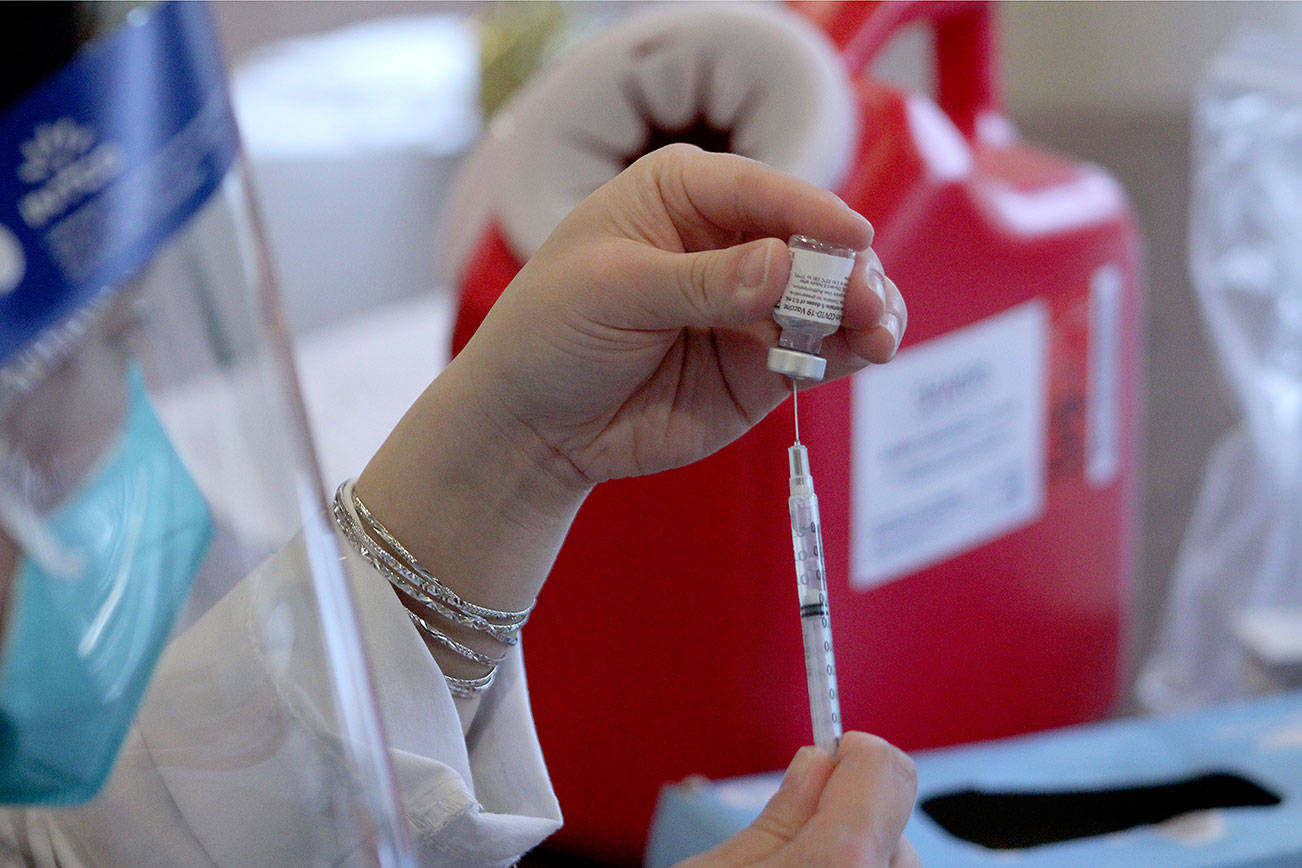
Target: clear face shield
{"points": [[155, 465]]}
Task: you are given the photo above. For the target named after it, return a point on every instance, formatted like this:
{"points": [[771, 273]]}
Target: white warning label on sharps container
{"points": [[949, 445]]}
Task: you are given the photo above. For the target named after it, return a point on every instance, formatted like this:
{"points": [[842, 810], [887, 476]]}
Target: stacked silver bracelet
{"points": [[385, 553]]}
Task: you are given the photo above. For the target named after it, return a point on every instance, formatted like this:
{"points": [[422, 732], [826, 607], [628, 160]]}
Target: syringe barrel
{"points": [[820, 676], [815, 619]]}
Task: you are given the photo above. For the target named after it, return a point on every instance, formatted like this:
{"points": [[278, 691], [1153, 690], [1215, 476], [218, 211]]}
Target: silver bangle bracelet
{"points": [[464, 687], [411, 580], [514, 619], [452, 644], [441, 599], [404, 582], [411, 570]]}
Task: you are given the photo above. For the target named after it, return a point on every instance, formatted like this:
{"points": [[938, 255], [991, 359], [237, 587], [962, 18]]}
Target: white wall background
{"points": [[1125, 57]]}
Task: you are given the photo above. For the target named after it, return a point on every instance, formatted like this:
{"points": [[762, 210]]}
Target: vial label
{"points": [[816, 287]]}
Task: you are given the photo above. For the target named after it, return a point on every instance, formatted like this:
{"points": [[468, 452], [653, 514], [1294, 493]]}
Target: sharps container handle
{"points": [[966, 78]]}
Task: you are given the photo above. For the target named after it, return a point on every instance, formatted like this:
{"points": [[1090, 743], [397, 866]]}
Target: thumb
{"points": [[727, 287], [798, 795], [783, 816]]}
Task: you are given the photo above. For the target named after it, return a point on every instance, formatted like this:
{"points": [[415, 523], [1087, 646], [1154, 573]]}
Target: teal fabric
{"points": [[79, 651]]}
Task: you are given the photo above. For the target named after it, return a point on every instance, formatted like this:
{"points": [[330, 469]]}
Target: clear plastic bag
{"points": [[1236, 592]]}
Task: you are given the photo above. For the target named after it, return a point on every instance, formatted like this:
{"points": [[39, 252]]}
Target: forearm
{"points": [[480, 501]]}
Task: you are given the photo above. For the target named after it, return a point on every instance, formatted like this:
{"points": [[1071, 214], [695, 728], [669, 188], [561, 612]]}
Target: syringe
{"points": [[811, 581]]}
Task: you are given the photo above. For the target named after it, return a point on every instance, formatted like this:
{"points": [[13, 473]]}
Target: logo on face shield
{"points": [[12, 263], [53, 146], [63, 159]]}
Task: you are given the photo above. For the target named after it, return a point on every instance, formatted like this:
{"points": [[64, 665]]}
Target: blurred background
{"points": [[1110, 83]]}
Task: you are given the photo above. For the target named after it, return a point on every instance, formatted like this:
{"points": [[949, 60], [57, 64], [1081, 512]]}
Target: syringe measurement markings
{"points": [[820, 667]]}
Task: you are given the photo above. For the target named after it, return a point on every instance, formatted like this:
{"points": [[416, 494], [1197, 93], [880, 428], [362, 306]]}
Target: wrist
{"points": [[473, 493], [532, 467]]}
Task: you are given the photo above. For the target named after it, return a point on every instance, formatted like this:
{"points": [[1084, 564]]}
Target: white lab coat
{"points": [[203, 781]]}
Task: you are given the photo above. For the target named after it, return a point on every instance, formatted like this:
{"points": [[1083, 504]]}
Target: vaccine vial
{"points": [[810, 307]]}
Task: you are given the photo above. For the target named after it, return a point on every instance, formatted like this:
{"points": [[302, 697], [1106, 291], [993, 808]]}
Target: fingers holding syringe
{"points": [[869, 796]]}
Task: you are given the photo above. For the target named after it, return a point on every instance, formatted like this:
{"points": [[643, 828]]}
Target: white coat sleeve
{"points": [[237, 719]]}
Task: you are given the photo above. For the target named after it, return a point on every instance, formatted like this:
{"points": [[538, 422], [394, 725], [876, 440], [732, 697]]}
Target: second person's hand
{"points": [[847, 810]]}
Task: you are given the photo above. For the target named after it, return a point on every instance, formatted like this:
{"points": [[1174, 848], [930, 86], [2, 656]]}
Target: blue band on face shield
{"points": [[104, 161], [78, 652]]}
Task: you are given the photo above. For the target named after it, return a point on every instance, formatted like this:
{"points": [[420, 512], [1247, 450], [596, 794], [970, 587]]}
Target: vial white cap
{"points": [[795, 364]]}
